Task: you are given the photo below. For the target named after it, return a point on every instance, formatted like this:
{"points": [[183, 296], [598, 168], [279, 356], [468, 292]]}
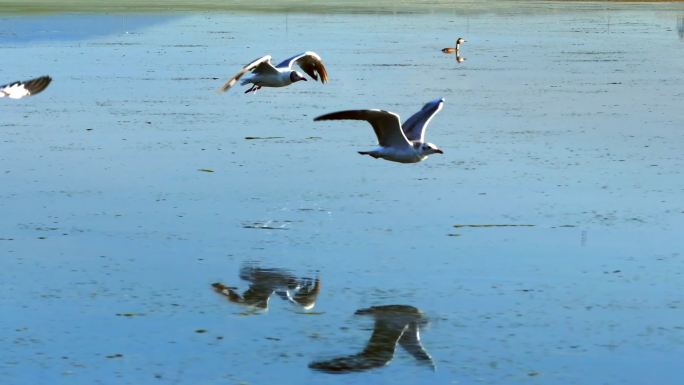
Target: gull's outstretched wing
{"points": [[18, 90], [310, 63], [261, 65], [414, 127], [387, 125]]}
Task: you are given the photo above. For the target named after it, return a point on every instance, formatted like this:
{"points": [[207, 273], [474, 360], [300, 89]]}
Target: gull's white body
{"points": [[401, 155], [14, 90], [281, 79], [403, 143]]}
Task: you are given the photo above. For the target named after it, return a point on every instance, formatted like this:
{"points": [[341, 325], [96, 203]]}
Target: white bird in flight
{"points": [[399, 143], [18, 90], [264, 74]]}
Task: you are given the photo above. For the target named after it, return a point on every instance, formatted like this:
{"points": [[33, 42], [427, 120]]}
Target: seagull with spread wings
{"points": [[398, 142], [264, 74], [18, 90]]}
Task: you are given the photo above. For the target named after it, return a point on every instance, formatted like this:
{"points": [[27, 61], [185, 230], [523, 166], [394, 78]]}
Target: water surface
{"points": [[113, 231]]}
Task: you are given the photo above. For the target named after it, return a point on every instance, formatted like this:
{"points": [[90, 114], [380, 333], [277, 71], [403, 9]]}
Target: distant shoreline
{"points": [[315, 6]]}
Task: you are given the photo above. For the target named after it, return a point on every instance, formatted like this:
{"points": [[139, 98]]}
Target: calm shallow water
{"points": [[567, 120]]}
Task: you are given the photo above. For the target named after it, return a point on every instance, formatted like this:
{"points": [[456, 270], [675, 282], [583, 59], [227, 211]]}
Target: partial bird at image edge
{"points": [[19, 89]]}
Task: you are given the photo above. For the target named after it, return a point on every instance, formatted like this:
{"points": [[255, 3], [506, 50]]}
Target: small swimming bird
{"points": [[394, 324], [18, 90], [264, 74], [398, 143], [455, 50]]}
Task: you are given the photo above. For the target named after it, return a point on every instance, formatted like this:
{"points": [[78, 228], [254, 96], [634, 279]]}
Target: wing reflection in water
{"points": [[393, 324], [264, 282]]}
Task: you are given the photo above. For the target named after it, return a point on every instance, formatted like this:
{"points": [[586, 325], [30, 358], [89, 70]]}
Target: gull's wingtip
{"points": [[226, 86], [328, 116], [37, 85], [435, 103]]}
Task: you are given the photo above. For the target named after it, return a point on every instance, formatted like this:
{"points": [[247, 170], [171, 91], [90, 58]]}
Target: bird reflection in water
{"points": [[264, 282], [680, 27], [394, 324]]}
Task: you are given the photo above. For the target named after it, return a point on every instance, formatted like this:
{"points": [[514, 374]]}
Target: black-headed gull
{"points": [[394, 324], [264, 74], [399, 143], [18, 90]]}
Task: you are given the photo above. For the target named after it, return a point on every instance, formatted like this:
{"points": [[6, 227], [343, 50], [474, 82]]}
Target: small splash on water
{"points": [[268, 225]]}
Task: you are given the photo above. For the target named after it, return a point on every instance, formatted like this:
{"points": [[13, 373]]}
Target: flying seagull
{"points": [[264, 74], [18, 90], [399, 143], [394, 324]]}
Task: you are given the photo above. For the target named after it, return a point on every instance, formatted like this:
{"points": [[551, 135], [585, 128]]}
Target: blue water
{"points": [[111, 235]]}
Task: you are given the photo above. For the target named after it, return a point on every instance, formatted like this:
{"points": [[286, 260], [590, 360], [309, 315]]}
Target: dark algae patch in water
{"points": [[263, 137]]}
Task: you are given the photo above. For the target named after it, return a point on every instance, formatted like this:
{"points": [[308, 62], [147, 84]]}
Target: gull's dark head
{"points": [[296, 76], [429, 148]]}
